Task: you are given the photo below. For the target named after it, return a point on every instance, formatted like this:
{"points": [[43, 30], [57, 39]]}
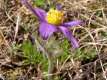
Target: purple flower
{"points": [[52, 22]]}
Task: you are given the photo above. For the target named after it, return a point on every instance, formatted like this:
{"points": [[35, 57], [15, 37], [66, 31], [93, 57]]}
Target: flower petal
{"points": [[58, 6], [46, 30], [69, 35], [72, 23], [37, 11], [40, 13]]}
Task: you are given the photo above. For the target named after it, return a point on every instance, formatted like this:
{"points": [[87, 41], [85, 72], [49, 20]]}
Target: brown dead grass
{"points": [[94, 14]]}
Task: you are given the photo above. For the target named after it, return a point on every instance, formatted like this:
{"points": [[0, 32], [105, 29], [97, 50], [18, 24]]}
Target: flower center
{"points": [[55, 17]]}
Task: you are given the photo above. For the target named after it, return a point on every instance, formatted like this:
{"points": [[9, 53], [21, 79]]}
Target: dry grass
{"points": [[91, 35]]}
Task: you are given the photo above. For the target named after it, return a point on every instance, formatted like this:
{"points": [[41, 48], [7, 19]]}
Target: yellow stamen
{"points": [[55, 17]]}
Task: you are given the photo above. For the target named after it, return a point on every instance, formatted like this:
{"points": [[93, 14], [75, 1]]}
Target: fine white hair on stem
{"points": [[50, 61]]}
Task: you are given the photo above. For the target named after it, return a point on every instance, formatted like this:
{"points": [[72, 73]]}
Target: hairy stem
{"points": [[50, 59], [50, 69]]}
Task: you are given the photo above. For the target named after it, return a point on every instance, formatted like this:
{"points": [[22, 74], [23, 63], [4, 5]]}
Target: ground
{"points": [[21, 58]]}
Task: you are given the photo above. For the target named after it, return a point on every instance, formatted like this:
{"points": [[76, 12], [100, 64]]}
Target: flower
{"points": [[53, 21]]}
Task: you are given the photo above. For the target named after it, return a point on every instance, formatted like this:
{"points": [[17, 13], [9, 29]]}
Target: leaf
{"points": [[39, 2], [31, 53]]}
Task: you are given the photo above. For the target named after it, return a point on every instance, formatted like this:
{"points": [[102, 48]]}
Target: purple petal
{"points": [[72, 23], [46, 30], [37, 11], [40, 13], [58, 6], [69, 35]]}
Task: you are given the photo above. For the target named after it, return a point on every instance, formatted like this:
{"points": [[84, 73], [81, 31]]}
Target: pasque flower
{"points": [[53, 21]]}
